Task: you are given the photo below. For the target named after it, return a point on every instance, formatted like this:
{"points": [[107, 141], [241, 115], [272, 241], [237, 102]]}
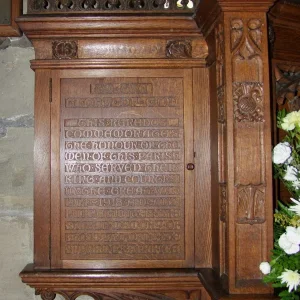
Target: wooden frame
{"points": [[12, 29]]}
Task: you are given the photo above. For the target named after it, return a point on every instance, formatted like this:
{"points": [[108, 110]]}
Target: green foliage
{"points": [[284, 217]]}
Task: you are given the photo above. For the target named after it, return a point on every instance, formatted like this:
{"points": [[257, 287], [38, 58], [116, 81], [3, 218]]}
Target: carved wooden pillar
{"points": [[285, 50], [236, 32]]}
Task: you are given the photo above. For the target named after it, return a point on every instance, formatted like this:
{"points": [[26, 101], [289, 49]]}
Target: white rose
{"points": [[265, 267], [291, 174], [281, 153], [290, 240], [293, 234]]}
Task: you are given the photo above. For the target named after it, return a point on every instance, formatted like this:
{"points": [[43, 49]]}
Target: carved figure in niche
{"points": [[248, 101], [251, 204], [288, 86]]}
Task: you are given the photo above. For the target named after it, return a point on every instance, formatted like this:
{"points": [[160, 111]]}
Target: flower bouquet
{"points": [[283, 271]]}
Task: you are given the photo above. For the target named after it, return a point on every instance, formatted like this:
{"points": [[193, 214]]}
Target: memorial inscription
{"points": [[122, 175]]}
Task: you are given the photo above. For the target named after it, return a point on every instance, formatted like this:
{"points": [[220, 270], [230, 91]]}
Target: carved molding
{"points": [[250, 204], [179, 49], [246, 43], [47, 294], [248, 101], [220, 54], [100, 6], [287, 78], [64, 49], [223, 201], [247, 39]]}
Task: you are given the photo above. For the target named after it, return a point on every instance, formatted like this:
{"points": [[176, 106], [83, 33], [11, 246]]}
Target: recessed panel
{"points": [[122, 169]]}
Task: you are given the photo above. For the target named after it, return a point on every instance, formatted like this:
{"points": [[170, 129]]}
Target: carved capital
{"points": [[64, 49], [179, 49]]}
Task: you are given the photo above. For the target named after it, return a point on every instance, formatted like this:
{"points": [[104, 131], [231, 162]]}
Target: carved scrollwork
{"points": [[251, 204], [237, 29], [64, 49], [255, 32], [179, 49], [248, 101], [288, 86], [246, 42], [45, 294]]}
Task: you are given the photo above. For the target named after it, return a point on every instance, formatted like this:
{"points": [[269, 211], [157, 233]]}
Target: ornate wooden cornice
{"points": [[208, 12], [286, 13], [284, 18], [104, 26], [112, 6]]}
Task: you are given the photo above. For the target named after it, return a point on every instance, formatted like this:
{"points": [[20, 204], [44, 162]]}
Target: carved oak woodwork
{"points": [[104, 6], [151, 150], [284, 20]]}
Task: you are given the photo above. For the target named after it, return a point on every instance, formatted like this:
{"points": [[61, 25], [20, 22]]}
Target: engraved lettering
{"points": [[121, 190], [122, 145], [123, 213], [121, 156], [122, 133], [123, 249], [106, 102], [120, 168], [122, 88], [132, 237], [122, 202], [122, 179], [125, 225], [121, 122]]}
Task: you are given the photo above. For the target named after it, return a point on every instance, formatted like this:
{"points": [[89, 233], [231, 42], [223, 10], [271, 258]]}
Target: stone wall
{"points": [[16, 167]]}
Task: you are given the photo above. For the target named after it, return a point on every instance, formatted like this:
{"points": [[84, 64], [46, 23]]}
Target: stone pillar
{"points": [[236, 32]]}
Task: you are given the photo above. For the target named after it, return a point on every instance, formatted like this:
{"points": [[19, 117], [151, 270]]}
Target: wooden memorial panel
{"points": [[126, 193]]}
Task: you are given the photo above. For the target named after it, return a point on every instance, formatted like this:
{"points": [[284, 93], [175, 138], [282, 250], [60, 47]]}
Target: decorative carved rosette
{"points": [[179, 49], [64, 49], [46, 294], [248, 101]]}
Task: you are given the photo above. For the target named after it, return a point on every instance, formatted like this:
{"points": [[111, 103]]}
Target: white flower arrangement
{"points": [[282, 270]]}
